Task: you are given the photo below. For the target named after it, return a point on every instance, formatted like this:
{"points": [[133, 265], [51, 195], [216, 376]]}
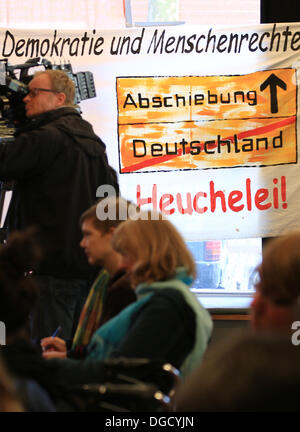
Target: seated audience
{"points": [[167, 322], [111, 291], [257, 370]]}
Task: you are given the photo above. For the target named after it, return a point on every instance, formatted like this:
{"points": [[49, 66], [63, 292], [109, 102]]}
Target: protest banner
{"points": [[200, 122]]}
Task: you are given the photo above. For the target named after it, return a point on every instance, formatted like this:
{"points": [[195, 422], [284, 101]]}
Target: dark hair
{"points": [[18, 290]]}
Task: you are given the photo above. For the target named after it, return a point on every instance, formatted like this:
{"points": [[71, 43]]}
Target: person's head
{"points": [[278, 287], [244, 372], [18, 290], [97, 233], [152, 249], [48, 90]]}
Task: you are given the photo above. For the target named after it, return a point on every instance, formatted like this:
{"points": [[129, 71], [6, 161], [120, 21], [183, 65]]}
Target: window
{"points": [[195, 12], [224, 272], [78, 14], [225, 266]]}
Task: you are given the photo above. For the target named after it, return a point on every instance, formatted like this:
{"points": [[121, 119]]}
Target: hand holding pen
{"points": [[55, 334], [53, 346]]}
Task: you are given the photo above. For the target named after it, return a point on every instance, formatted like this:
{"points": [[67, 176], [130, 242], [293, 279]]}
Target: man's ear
{"points": [[60, 99]]}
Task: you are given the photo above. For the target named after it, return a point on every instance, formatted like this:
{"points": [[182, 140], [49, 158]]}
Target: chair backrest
{"points": [[128, 385]]}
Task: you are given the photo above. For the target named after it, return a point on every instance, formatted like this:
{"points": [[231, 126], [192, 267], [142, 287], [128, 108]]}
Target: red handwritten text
{"points": [[235, 200]]}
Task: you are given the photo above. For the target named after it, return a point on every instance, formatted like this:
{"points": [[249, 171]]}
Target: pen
{"points": [[57, 331]]}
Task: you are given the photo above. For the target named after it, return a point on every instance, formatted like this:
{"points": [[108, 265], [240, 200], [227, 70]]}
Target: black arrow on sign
{"points": [[273, 81]]}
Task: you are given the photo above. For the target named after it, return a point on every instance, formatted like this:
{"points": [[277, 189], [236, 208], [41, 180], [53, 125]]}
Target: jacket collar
{"points": [[47, 117]]}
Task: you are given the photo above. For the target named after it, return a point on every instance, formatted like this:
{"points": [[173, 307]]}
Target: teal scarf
{"points": [[109, 336]]}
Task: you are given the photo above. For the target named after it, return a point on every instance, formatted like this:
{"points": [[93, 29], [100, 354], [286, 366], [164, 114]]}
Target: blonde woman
{"points": [[166, 323]]}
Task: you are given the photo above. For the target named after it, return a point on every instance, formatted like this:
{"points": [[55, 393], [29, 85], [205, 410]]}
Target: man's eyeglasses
{"points": [[35, 91]]}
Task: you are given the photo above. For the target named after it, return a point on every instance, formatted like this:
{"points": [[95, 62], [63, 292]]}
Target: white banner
{"points": [[199, 122]]}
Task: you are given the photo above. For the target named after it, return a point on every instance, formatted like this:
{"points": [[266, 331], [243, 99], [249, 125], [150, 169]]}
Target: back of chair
{"points": [[129, 385]]}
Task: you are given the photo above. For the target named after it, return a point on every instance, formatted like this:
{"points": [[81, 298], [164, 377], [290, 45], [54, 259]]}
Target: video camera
{"points": [[14, 80]]}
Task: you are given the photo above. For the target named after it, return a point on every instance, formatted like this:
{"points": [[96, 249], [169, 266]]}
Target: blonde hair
{"points": [[157, 248], [60, 83]]}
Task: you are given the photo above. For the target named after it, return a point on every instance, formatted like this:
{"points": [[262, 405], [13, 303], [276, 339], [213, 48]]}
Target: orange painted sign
{"points": [[169, 123]]}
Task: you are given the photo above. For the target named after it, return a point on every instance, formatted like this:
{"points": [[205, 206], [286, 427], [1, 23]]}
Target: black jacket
{"points": [[57, 163]]}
